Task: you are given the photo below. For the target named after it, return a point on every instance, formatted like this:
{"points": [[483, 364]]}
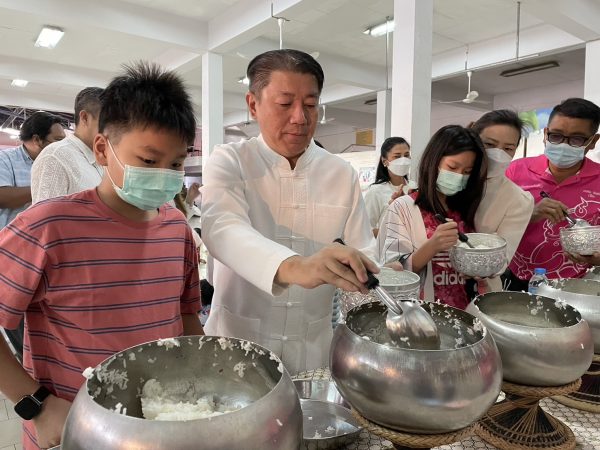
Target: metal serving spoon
{"points": [[572, 222], [407, 323]]}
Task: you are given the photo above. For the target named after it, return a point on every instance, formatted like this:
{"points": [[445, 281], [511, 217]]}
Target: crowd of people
{"points": [[106, 258]]}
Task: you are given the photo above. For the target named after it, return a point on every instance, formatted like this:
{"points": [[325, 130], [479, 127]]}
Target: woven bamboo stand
{"points": [[518, 422], [587, 397], [408, 440]]}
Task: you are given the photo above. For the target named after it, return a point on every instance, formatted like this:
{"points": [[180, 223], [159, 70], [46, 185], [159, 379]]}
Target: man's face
{"points": [[578, 131], [57, 133], [88, 127], [286, 111]]}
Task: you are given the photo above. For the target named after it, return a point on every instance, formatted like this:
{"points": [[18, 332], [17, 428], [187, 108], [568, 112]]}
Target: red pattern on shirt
{"points": [[448, 284]]}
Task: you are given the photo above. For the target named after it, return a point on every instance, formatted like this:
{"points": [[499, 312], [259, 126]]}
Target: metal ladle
{"points": [[572, 222], [407, 323]]}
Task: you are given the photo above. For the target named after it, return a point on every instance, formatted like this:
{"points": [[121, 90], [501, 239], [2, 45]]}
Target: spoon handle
{"points": [[571, 221], [461, 236]]}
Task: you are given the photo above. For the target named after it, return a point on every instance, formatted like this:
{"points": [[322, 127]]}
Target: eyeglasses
{"points": [[573, 141]]}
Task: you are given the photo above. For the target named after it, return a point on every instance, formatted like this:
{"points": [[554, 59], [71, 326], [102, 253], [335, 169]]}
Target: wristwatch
{"points": [[31, 405]]}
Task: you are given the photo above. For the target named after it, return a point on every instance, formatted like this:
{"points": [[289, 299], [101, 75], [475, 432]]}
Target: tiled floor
{"points": [[10, 426]]}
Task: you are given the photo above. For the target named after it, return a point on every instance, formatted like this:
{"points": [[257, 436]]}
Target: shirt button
{"points": [[284, 338], [288, 304]]}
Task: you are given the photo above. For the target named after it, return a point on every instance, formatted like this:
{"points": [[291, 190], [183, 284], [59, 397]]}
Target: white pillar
{"points": [[212, 103], [384, 118], [411, 74], [591, 89]]}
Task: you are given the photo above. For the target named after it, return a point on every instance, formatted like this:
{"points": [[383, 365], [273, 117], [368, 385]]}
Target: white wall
{"points": [[542, 97], [444, 114]]}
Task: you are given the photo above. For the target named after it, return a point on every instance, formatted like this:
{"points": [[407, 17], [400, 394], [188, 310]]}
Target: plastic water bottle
{"points": [[539, 277]]}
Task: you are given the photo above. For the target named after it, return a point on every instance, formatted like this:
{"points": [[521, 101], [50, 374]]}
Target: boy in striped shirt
{"points": [[105, 269]]}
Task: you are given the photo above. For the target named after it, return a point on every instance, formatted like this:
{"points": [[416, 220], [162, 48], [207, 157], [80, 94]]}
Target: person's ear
{"points": [[545, 135], [251, 102], [592, 144], [84, 117], [100, 148], [384, 162]]}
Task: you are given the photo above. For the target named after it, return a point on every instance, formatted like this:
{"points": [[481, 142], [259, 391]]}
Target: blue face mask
{"points": [[450, 183], [147, 188], [563, 155]]}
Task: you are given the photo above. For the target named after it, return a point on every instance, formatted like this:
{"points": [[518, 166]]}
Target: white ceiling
{"points": [[101, 36]]}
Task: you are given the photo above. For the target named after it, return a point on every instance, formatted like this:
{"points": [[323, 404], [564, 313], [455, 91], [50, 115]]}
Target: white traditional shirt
{"points": [[377, 200], [62, 168], [258, 212]]}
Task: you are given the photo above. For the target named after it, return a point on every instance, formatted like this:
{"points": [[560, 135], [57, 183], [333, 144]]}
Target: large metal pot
{"points": [[270, 417], [541, 342], [421, 391], [581, 294]]}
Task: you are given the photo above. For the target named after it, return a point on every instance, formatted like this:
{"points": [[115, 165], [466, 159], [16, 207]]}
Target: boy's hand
{"points": [[50, 422]]}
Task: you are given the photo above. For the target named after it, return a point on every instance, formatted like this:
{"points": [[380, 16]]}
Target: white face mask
{"points": [[400, 166], [498, 161]]}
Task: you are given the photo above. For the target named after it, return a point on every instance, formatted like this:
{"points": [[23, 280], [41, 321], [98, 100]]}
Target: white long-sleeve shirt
{"points": [[62, 168], [256, 213]]}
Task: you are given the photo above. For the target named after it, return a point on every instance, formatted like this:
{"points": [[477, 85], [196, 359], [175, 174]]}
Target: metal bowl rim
{"points": [[211, 419], [481, 341], [525, 327], [337, 406]]}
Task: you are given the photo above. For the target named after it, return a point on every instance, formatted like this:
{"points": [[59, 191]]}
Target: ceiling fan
{"points": [[324, 120], [471, 96]]}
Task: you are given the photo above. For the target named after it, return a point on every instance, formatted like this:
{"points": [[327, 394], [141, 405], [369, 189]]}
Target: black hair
{"points": [[287, 60], [147, 96], [88, 100], [447, 141], [578, 108], [38, 124], [382, 175], [499, 117]]}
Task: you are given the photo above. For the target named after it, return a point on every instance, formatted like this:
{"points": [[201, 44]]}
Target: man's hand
{"points": [[549, 209], [444, 236], [50, 422], [593, 260], [336, 264]]}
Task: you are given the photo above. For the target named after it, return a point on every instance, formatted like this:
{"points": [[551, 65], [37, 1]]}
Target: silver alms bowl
{"points": [[479, 262], [270, 417], [419, 391], [581, 240], [584, 295], [542, 342]]}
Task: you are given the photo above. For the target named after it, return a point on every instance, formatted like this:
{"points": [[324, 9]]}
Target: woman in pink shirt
{"points": [[452, 175]]}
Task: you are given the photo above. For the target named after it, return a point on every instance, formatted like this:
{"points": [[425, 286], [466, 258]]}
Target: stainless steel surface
{"points": [[581, 240], [325, 413], [422, 391], [413, 323], [593, 274], [480, 262], [542, 342], [270, 417], [583, 295]]}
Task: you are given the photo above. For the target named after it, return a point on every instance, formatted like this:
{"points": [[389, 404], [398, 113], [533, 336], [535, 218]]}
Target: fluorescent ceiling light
{"points": [[14, 136], [244, 80], [380, 29], [19, 83], [529, 69], [49, 37]]}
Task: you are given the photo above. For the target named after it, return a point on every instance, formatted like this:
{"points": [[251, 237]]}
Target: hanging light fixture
{"points": [[381, 28]]}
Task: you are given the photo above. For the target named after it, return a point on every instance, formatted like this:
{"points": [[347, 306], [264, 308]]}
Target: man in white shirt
{"points": [[271, 208], [69, 166]]}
